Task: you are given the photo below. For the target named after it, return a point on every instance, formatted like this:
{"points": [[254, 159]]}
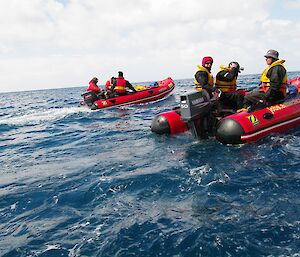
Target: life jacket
{"points": [[210, 81], [226, 86], [265, 81], [93, 87], [120, 85]]}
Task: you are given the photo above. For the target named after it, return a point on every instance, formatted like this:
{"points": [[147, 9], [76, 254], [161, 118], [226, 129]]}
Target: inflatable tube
{"points": [[246, 127], [168, 123]]}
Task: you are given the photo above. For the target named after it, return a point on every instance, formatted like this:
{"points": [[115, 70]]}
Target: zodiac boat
{"points": [[196, 114], [145, 94]]}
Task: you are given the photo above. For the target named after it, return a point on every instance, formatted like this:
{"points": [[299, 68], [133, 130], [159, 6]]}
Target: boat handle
{"points": [[268, 115]]}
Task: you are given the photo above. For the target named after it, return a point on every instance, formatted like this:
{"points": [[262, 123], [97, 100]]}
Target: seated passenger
{"points": [[109, 83], [120, 86], [108, 86], [227, 76], [273, 82], [226, 80], [203, 78]]}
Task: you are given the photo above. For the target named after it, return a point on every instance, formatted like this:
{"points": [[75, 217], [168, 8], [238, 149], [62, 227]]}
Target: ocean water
{"points": [[76, 182]]}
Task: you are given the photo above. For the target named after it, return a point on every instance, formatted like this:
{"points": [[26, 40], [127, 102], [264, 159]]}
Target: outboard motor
{"points": [[196, 111], [89, 97]]}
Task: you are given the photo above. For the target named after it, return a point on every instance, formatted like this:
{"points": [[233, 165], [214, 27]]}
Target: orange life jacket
{"points": [[120, 85]]}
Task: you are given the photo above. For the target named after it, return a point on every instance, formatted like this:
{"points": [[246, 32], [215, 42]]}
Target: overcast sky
{"points": [[64, 43]]}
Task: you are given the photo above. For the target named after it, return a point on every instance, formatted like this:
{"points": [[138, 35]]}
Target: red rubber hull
{"points": [[165, 87], [273, 119], [175, 123]]}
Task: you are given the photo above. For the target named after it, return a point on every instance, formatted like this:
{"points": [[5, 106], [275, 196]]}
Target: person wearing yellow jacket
{"points": [[273, 82], [203, 78], [226, 80], [227, 76]]}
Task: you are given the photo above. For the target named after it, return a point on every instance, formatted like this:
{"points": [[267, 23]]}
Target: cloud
{"points": [[48, 43], [293, 4]]}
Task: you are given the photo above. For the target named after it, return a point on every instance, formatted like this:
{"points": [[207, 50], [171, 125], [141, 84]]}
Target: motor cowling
{"points": [[196, 110], [194, 113], [194, 105]]}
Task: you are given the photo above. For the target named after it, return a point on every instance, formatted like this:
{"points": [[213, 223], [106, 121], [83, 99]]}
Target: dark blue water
{"points": [[76, 182]]}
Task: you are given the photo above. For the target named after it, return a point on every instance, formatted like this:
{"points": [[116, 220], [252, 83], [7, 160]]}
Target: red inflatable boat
{"points": [[228, 127], [146, 93]]}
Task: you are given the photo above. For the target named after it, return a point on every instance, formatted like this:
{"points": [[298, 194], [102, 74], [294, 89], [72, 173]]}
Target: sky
{"points": [[64, 43]]}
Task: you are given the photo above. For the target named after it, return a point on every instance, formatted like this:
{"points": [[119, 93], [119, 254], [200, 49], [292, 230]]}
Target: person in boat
{"points": [[227, 76], [93, 86], [272, 88], [203, 78], [120, 85], [108, 88], [226, 87], [109, 83], [93, 92]]}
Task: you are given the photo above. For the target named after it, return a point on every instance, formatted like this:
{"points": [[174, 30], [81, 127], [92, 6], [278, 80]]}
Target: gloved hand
{"points": [[218, 93]]}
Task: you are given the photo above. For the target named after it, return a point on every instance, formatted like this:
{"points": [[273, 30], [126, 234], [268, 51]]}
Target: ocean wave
{"points": [[38, 116]]}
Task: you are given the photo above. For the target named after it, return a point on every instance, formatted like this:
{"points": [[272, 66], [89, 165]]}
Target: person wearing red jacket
{"points": [[120, 85], [109, 83], [93, 86], [94, 92]]}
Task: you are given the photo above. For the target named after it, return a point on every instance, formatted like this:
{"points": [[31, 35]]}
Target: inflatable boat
{"points": [[145, 93], [200, 114]]}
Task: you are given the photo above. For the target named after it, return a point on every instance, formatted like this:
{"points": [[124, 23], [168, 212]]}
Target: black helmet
{"points": [[235, 65]]}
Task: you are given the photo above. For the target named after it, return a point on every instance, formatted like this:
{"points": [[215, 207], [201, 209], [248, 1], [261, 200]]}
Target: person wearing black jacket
{"points": [[226, 80], [227, 76], [273, 82], [203, 78]]}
